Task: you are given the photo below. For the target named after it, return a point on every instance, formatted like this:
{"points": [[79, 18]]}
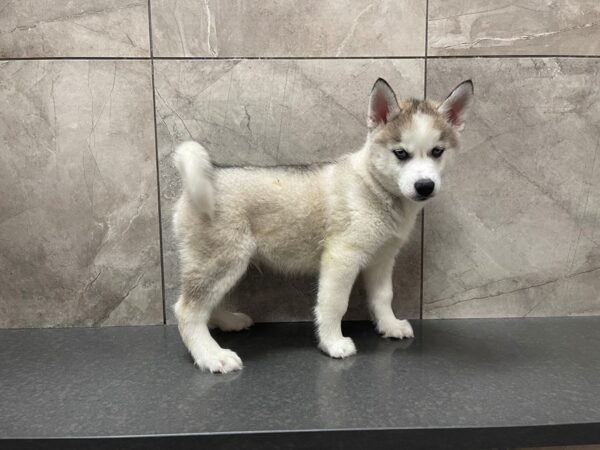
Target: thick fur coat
{"points": [[339, 220]]}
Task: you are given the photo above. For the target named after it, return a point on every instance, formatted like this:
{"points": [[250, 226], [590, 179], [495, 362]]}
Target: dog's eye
{"points": [[401, 154], [437, 152]]}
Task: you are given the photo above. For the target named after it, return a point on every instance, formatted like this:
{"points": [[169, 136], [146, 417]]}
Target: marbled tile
{"points": [[270, 112], [522, 27], [41, 29], [516, 232], [79, 241], [288, 28]]}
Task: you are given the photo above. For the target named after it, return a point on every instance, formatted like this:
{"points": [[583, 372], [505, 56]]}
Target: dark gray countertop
{"points": [[459, 383]]}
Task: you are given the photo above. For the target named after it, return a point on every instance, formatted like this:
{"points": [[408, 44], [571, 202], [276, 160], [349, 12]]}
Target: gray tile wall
{"points": [[85, 28], [269, 112], [79, 241], [84, 87], [227, 28], [516, 232], [521, 27]]}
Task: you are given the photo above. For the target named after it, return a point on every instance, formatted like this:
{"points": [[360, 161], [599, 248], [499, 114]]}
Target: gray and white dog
{"points": [[337, 220]]}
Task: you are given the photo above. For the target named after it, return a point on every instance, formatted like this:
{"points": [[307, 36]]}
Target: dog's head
{"points": [[409, 142]]}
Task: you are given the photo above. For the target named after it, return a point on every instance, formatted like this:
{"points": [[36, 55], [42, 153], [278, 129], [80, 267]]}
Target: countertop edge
{"points": [[387, 438]]}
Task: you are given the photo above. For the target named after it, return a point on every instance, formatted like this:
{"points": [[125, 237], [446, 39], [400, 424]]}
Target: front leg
{"points": [[377, 279], [338, 272]]}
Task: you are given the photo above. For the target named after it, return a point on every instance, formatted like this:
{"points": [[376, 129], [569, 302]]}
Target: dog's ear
{"points": [[455, 107], [383, 105]]}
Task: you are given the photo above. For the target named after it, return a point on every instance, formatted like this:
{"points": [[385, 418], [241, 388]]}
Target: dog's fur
{"points": [[338, 220]]}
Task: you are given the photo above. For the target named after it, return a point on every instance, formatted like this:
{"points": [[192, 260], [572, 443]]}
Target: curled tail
{"points": [[196, 171]]}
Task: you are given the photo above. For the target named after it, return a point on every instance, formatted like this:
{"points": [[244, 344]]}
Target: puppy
{"points": [[339, 220]]}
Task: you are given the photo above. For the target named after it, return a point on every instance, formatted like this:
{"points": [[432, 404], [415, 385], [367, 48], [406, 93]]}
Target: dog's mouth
{"points": [[422, 198]]}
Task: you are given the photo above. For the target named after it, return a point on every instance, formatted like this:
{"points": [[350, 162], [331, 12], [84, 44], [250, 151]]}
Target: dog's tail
{"points": [[193, 163]]}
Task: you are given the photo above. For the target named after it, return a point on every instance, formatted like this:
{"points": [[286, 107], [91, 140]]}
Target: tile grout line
{"points": [[512, 56], [268, 58], [160, 237], [201, 58], [422, 281], [422, 264], [285, 58], [78, 58]]}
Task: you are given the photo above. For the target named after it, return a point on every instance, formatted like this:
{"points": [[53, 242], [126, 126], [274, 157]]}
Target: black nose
{"points": [[424, 187]]}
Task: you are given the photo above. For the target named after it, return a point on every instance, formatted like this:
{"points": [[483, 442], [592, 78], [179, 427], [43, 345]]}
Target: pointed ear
{"points": [[455, 107], [383, 105]]}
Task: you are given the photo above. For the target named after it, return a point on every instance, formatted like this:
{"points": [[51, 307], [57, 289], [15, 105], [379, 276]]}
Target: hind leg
{"points": [[230, 321], [203, 289]]}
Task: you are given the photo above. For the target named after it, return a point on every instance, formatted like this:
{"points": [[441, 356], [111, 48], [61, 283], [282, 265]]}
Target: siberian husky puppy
{"points": [[339, 220]]}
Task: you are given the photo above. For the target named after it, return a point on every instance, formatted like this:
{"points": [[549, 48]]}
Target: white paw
{"points": [[398, 329], [234, 322], [221, 361], [340, 348]]}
